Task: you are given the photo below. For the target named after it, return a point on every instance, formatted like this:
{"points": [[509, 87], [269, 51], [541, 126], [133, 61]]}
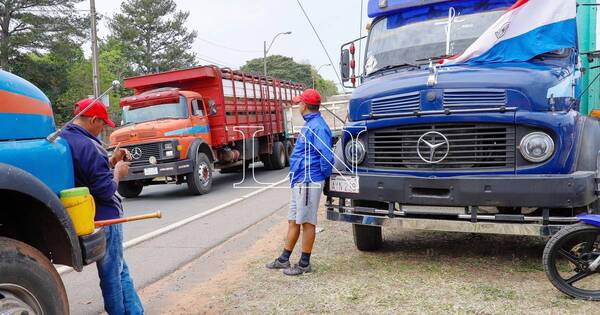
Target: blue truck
{"points": [[506, 148], [35, 228]]}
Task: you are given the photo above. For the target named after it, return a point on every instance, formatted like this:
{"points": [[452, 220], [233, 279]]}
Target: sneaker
{"points": [[276, 264], [297, 270]]}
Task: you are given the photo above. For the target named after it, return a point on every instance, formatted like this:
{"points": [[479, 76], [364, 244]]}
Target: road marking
{"points": [[64, 269]]}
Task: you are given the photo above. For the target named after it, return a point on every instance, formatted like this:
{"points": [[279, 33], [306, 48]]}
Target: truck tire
{"points": [[130, 189], [289, 148], [266, 160], [200, 181], [278, 157], [367, 237], [29, 284]]}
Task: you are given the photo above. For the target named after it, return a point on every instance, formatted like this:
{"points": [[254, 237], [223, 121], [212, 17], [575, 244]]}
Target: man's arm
{"points": [[94, 167], [323, 144]]}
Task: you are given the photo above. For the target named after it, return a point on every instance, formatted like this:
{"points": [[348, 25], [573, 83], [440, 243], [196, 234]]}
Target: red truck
{"points": [[181, 125]]}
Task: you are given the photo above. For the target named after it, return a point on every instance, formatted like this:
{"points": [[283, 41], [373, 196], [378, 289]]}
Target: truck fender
{"points": [[199, 145], [46, 224]]}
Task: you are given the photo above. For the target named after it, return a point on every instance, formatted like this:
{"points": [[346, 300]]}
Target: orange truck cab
{"points": [[181, 125]]}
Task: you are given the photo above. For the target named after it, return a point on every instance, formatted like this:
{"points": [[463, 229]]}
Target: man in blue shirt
{"points": [[93, 170], [311, 163]]}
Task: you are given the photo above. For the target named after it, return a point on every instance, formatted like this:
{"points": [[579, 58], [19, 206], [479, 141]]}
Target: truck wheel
{"points": [[266, 160], [278, 157], [289, 148], [130, 189], [29, 284], [200, 181], [367, 237]]}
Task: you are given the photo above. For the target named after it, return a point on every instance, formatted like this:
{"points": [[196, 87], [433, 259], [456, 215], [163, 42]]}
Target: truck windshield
{"points": [[393, 43], [134, 115]]}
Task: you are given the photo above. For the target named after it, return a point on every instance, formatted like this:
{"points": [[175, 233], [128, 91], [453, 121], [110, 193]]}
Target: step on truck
{"points": [[35, 228], [181, 125], [507, 148]]}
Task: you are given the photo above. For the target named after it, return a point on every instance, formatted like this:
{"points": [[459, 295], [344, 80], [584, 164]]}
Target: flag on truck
{"points": [[528, 29]]}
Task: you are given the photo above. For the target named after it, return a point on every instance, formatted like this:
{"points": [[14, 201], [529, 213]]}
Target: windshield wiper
{"points": [[389, 67], [435, 58]]}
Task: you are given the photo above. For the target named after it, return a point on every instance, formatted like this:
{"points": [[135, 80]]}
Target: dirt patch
{"points": [[415, 272]]}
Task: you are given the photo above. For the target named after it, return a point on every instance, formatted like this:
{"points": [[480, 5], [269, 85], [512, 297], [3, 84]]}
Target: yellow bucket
{"points": [[81, 208]]}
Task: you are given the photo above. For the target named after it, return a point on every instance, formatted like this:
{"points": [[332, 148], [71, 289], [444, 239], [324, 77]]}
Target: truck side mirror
{"points": [[345, 65], [212, 107]]}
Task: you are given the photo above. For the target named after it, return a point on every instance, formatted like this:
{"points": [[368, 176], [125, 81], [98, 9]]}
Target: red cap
{"points": [[98, 110], [309, 96]]}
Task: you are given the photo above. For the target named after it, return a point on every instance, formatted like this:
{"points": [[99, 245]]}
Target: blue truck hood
{"points": [[533, 83]]}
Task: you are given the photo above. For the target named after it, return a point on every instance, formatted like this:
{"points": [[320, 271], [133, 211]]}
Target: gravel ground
{"points": [[415, 272]]}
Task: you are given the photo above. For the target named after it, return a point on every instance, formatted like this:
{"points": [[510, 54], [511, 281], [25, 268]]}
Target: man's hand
{"points": [[119, 155], [121, 170]]}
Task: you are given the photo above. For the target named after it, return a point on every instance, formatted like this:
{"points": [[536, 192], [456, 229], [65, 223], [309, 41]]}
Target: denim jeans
{"points": [[117, 287]]}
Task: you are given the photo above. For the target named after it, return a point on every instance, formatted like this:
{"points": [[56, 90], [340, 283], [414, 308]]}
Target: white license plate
{"points": [[151, 171], [346, 183]]}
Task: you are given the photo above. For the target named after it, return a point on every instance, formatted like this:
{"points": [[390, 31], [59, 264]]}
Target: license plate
{"points": [[345, 183], [151, 171]]}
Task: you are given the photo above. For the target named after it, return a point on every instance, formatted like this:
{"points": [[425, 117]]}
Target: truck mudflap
{"points": [[150, 171], [93, 246], [526, 226]]}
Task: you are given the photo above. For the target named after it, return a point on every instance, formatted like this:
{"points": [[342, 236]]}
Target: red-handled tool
{"points": [[154, 215]]}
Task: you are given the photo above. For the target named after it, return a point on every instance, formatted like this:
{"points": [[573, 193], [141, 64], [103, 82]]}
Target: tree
{"points": [[153, 35], [285, 68], [36, 25]]}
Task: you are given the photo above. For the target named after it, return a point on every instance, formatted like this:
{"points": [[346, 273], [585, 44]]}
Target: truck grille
{"points": [[465, 99], [396, 104], [470, 146], [147, 150]]}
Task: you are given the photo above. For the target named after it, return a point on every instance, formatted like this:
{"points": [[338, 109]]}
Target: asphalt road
{"points": [[158, 257]]}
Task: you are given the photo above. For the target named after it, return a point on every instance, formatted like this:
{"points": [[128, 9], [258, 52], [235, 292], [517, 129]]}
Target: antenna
{"points": [[114, 87]]}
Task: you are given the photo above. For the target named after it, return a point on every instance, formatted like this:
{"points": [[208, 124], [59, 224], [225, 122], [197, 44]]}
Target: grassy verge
{"points": [[415, 272]]}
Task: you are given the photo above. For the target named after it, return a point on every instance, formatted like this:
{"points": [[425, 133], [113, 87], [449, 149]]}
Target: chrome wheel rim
{"points": [[204, 173], [17, 300]]}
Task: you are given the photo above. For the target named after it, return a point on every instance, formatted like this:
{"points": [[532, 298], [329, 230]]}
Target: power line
{"points": [[322, 45], [226, 47]]}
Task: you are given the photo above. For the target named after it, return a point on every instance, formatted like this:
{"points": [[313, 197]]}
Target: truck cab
{"points": [[35, 229], [163, 124], [490, 148]]}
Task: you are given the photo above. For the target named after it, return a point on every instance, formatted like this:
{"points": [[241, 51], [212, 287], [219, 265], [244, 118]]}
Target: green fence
{"points": [[587, 19]]}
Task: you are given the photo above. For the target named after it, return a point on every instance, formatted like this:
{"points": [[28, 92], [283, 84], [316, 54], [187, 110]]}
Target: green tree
{"points": [[285, 68], [153, 35], [37, 25]]}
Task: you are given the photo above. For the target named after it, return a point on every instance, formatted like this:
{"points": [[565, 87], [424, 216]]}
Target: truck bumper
{"points": [[93, 246], [181, 167], [551, 191]]}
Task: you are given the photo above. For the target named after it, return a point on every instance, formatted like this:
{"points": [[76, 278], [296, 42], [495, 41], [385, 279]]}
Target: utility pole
{"points": [[265, 58], [95, 70]]}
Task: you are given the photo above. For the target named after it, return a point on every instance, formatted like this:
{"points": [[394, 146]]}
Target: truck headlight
{"points": [[168, 146], [169, 153], [537, 147], [355, 151]]}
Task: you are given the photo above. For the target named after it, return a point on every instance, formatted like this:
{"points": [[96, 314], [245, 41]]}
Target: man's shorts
{"points": [[304, 203]]}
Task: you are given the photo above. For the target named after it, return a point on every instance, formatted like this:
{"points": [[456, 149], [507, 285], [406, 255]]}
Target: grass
{"points": [[415, 273]]}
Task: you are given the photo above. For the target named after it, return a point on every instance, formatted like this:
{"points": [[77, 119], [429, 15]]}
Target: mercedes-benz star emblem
{"points": [[136, 153], [436, 143]]}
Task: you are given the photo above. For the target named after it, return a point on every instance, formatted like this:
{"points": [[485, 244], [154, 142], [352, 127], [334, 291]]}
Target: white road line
{"points": [[64, 269]]}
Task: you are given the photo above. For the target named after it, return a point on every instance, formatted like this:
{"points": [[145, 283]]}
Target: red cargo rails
{"points": [[247, 105]]}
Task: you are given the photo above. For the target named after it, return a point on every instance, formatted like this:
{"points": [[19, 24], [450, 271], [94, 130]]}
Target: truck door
{"points": [[200, 123]]}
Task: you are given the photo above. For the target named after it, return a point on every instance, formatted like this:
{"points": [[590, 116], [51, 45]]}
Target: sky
{"points": [[233, 31]]}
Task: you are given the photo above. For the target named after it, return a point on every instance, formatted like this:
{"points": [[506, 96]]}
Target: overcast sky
{"points": [[232, 31]]}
